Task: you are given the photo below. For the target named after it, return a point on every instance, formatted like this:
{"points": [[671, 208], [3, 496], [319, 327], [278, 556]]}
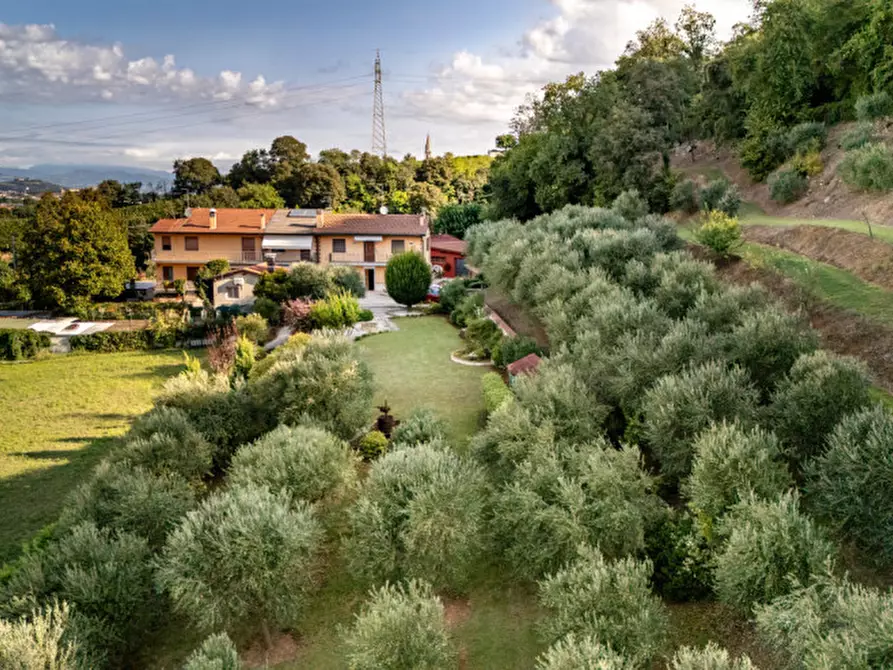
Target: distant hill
{"points": [[80, 176], [19, 186]]}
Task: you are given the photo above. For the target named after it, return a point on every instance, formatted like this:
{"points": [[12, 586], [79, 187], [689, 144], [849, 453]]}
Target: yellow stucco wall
{"points": [[354, 250], [210, 247]]}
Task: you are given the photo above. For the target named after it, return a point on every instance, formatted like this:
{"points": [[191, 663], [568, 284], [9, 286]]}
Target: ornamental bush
{"points": [[452, 293], [338, 310], [869, 168], [254, 327], [679, 407], [711, 657], [767, 344], [39, 641], [244, 557], [713, 193], [243, 361], [407, 278], [372, 445], [216, 653], [719, 232], [16, 345], [496, 393], [308, 464], [400, 627], [308, 280], [610, 601], [832, 624], [772, 548], [630, 205], [593, 494], [268, 309], [348, 279], [807, 137], [582, 653], [469, 308], [422, 426], [121, 497], [787, 186], [874, 106], [164, 442], [819, 391], [850, 485], [684, 197], [729, 464], [511, 349], [421, 514], [105, 577]]}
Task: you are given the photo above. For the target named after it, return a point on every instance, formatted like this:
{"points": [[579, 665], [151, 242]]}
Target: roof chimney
{"points": [[212, 217], [263, 220]]}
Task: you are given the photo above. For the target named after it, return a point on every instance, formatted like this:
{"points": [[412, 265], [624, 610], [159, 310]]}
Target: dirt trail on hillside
{"points": [[841, 331], [829, 197], [867, 258]]}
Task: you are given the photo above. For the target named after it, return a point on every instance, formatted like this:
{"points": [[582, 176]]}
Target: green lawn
{"points": [[15, 324], [60, 416], [884, 233], [412, 368]]}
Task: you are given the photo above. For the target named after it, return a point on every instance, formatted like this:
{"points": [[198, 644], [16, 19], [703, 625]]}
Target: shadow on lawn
{"points": [[32, 499], [160, 372]]}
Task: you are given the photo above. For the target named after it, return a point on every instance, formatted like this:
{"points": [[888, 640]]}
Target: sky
{"points": [[142, 83]]}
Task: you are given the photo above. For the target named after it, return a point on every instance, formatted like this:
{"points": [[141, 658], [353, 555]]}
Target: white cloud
{"points": [[36, 63], [585, 35]]}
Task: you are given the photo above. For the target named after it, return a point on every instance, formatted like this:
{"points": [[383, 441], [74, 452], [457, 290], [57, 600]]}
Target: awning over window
{"points": [[288, 242]]}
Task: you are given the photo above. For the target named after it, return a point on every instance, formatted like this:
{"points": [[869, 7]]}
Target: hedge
{"points": [[16, 345], [496, 393], [122, 311], [108, 342]]}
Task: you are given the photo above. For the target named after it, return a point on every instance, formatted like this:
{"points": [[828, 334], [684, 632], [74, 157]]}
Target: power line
{"points": [[379, 137]]}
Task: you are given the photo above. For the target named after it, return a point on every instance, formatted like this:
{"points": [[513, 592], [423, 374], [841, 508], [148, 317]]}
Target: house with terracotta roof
{"points": [[246, 237], [448, 252]]}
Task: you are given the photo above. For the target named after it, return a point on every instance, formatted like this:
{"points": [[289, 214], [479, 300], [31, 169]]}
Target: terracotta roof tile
{"points": [[373, 224], [245, 221], [526, 365], [448, 243]]}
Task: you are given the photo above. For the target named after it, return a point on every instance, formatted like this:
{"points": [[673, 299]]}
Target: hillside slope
{"points": [[828, 197]]}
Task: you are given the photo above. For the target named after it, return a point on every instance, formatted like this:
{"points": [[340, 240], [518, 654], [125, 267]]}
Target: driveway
{"points": [[383, 309]]}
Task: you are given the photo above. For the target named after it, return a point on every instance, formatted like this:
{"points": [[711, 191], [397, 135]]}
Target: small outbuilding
{"points": [[525, 366], [236, 287], [449, 253]]}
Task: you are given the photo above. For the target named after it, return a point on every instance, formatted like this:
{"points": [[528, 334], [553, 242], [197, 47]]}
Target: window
{"points": [[438, 260], [191, 244], [233, 291], [305, 255], [191, 274], [398, 246], [166, 243], [167, 273], [339, 246]]}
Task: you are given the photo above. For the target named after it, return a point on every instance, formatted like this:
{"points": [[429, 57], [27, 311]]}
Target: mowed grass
{"points": [[884, 233], [412, 369], [60, 415]]}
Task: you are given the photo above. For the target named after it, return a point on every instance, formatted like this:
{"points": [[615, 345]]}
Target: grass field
{"points": [[412, 368], [60, 416], [884, 233], [15, 324]]}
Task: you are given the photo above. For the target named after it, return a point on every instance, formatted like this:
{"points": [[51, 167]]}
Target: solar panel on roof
{"points": [[302, 214]]}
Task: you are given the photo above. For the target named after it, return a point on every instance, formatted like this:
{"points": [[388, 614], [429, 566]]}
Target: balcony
{"points": [[378, 258], [202, 257]]}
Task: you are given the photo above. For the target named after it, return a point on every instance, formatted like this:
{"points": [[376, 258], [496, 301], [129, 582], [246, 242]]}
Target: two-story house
{"points": [[278, 238]]}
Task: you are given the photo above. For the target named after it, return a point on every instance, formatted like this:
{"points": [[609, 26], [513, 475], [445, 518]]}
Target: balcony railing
{"points": [[201, 257], [359, 258]]}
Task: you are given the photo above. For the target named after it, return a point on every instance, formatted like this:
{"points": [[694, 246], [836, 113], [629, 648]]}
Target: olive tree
{"points": [[38, 641], [400, 627], [819, 391], [679, 407], [421, 514], [306, 463], [711, 657], [771, 549], [851, 485], [217, 652], [593, 494], [407, 278], [124, 498], [582, 653], [611, 601], [422, 426], [245, 556], [831, 624], [731, 462]]}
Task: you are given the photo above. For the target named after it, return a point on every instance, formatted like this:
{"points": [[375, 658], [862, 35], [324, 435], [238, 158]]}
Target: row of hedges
{"points": [[136, 340], [16, 345], [122, 311]]}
